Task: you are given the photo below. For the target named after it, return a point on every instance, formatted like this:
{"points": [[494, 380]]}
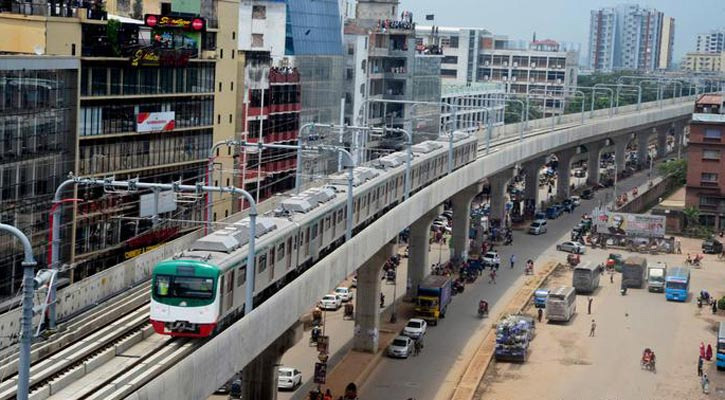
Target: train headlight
{"points": [[182, 304]]}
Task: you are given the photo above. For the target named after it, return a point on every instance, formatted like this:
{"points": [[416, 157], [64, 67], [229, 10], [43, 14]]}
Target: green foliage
{"points": [[112, 28], [721, 303], [677, 169], [692, 219], [514, 112]]}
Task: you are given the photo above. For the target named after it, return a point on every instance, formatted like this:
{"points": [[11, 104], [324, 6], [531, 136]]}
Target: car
{"points": [[711, 246], [491, 258], [587, 194], [576, 200], [539, 215], [288, 378], [572, 247], [415, 328], [401, 347], [538, 227], [330, 302], [567, 205], [345, 293], [554, 211]]}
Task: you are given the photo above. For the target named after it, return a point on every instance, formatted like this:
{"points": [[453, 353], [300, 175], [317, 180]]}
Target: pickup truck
{"points": [[434, 295]]}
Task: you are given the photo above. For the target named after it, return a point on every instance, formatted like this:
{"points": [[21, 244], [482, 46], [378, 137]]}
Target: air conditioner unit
{"points": [[533, 65], [558, 81], [486, 77], [487, 63], [505, 78], [531, 80], [513, 91], [513, 78], [516, 64]]}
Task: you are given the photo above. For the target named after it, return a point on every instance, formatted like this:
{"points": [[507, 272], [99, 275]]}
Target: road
{"points": [[422, 377]]}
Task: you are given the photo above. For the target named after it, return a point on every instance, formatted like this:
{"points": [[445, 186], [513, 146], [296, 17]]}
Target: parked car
{"points": [[538, 227], [587, 194], [401, 347], [572, 247], [711, 246], [554, 211], [539, 215], [288, 378], [415, 328], [330, 302], [490, 259], [345, 293]]}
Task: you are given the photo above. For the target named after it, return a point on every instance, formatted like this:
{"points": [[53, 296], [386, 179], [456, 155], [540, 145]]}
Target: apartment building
{"points": [[704, 62], [712, 41], [153, 95], [706, 162], [630, 37]]}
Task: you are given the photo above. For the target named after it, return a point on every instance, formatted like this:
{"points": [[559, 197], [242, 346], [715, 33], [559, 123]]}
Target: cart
{"points": [[349, 312]]}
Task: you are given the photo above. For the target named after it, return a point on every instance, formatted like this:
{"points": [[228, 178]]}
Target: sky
{"points": [[563, 20]]}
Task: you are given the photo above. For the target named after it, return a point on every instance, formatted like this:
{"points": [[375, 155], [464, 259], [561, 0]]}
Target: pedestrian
{"points": [[328, 395], [714, 307], [513, 260], [417, 346], [708, 353], [702, 350], [699, 366], [705, 384], [540, 314], [382, 300], [611, 276], [492, 277], [593, 328], [589, 305]]}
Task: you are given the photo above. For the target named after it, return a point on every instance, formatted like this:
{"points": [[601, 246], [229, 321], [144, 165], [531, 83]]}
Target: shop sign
{"points": [[151, 57], [165, 21], [155, 121]]}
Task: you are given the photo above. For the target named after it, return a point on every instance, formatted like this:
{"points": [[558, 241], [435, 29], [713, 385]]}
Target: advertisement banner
{"points": [[155, 121], [642, 225]]}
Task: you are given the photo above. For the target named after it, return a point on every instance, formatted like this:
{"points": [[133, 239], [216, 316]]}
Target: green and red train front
{"points": [[184, 298]]}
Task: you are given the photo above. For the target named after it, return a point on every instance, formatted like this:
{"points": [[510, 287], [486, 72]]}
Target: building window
{"points": [[450, 73], [257, 40], [708, 178], [706, 201], [710, 154], [259, 12], [713, 134], [450, 60], [454, 42]]}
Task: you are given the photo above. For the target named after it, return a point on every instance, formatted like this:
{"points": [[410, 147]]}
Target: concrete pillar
{"points": [[498, 185], [367, 301], [662, 142], [563, 183], [419, 249], [531, 181], [679, 132], [643, 148], [259, 378], [620, 152], [462, 221], [593, 153]]}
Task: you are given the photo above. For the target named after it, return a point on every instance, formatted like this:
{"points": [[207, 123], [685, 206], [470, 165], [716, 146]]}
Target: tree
{"points": [[692, 218], [137, 9], [676, 169]]}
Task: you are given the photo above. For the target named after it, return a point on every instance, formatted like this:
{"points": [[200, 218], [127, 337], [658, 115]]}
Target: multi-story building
{"points": [[470, 102], [704, 62], [706, 161], [475, 55], [153, 96], [630, 37], [38, 110], [711, 42]]}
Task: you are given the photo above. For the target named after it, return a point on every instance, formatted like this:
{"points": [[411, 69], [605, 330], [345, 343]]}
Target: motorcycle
{"points": [[457, 287], [482, 312], [623, 290]]}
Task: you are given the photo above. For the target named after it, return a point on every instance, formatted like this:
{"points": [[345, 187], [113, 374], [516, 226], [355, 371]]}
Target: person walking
{"points": [[589, 305], [492, 277], [512, 260], [702, 350], [328, 395], [382, 300], [714, 307], [611, 276], [593, 328], [540, 313], [705, 384], [708, 353], [699, 366]]}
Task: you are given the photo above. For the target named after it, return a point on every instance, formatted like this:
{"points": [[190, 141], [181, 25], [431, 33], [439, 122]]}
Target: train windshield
{"points": [[184, 286]]}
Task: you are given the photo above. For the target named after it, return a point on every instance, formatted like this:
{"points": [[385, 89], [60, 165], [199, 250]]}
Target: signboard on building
{"points": [[320, 373], [196, 24], [186, 6], [167, 203], [155, 121], [642, 225]]}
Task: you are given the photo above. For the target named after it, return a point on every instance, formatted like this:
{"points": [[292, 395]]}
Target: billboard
{"points": [[167, 203], [155, 121], [616, 223]]}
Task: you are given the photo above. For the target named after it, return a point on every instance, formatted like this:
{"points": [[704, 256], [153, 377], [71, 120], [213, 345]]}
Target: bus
{"points": [[720, 355], [561, 304], [586, 278], [677, 284]]}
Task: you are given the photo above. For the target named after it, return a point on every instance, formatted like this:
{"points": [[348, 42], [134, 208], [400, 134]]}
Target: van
{"points": [[586, 278], [634, 270], [561, 304]]}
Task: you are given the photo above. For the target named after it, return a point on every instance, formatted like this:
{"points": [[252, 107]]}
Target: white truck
{"points": [[656, 277]]}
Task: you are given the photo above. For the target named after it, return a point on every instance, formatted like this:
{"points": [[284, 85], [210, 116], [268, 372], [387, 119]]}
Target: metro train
{"points": [[200, 291]]}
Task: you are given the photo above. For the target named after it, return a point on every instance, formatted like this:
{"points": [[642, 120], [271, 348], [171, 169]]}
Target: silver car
{"points": [[401, 347], [572, 247], [538, 227]]}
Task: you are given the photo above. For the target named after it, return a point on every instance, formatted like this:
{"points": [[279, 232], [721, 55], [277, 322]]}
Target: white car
{"points": [[401, 347], [330, 302], [538, 227], [344, 293], [415, 328], [491, 258], [288, 378], [572, 247], [576, 200]]}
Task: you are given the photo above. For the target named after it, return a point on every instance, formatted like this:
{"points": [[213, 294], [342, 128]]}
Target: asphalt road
{"points": [[421, 377]]}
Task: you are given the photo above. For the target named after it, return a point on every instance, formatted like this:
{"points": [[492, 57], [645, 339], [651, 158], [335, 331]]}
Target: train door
{"points": [[271, 260], [335, 221], [288, 257], [226, 289], [306, 244]]}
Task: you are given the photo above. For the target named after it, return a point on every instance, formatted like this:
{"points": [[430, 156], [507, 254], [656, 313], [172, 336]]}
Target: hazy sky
{"points": [[563, 20]]}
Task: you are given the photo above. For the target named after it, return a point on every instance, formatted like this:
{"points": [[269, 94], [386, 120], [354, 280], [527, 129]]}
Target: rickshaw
{"points": [[648, 359], [348, 311]]}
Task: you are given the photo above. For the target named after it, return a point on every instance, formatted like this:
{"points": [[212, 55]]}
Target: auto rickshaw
{"points": [[348, 311]]}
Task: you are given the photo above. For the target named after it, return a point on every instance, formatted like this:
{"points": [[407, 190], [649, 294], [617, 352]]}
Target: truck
{"points": [[434, 295], [633, 272], [656, 277]]}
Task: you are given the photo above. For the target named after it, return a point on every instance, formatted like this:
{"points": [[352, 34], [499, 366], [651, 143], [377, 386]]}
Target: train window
{"points": [[369, 198], [327, 222], [261, 263], [339, 216], [307, 236], [314, 232], [322, 225], [280, 251], [271, 256], [241, 275], [230, 281]]}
